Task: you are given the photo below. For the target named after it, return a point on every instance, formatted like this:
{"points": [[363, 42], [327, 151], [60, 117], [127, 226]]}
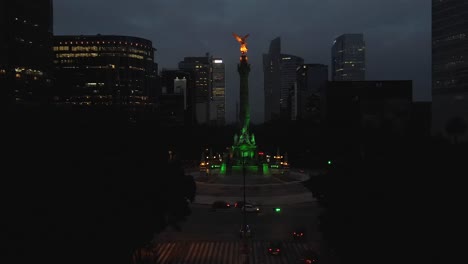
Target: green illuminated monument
{"points": [[244, 147], [243, 153]]}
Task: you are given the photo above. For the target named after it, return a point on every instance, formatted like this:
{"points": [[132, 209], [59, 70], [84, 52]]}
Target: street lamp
{"points": [[244, 211]]}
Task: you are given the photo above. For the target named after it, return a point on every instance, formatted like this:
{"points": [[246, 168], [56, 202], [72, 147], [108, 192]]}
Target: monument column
{"points": [[244, 69]]}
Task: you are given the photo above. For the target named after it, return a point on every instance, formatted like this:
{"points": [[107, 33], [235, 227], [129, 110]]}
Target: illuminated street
{"points": [[205, 227]]}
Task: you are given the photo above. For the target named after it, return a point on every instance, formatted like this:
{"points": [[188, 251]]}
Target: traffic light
{"points": [[329, 162], [277, 209]]}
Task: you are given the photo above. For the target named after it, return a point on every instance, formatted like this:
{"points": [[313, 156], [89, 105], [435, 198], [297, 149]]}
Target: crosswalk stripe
{"points": [[191, 252], [216, 253], [203, 256], [220, 252], [180, 253], [163, 251], [225, 255]]}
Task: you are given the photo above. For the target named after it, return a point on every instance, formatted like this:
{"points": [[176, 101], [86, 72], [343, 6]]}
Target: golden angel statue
{"points": [[241, 40]]}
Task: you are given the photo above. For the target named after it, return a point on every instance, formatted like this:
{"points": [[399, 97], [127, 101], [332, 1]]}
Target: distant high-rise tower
{"points": [[207, 94], [218, 93], [449, 63], [349, 58], [311, 83], [288, 67], [199, 96], [279, 72], [272, 80], [26, 47]]}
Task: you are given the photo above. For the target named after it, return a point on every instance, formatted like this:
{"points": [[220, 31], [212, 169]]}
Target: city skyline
{"points": [[397, 34]]}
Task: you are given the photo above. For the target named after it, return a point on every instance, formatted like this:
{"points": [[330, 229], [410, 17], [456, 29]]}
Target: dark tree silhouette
{"points": [[86, 187]]}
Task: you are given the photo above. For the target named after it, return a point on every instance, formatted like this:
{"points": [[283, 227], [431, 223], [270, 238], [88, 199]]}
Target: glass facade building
{"points": [[105, 70], [272, 80], [218, 92], [449, 62], [311, 83], [208, 88], [288, 67], [199, 94], [26, 32], [349, 58]]}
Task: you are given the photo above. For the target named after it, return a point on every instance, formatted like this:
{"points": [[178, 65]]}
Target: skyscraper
{"points": [[104, 69], [25, 47], [288, 66], [272, 80], [449, 62], [348, 58], [207, 90], [311, 82], [279, 72], [218, 93], [199, 95]]}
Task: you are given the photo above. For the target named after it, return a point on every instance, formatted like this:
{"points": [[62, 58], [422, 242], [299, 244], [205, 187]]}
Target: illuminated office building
{"points": [[218, 93], [449, 64], [199, 68], [26, 29], [207, 89], [349, 58], [288, 66], [104, 70]]}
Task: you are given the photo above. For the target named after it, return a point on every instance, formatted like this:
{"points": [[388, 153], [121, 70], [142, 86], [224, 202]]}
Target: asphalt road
{"points": [[268, 225]]}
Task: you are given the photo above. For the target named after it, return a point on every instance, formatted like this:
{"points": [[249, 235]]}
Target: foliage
{"points": [[87, 187]]}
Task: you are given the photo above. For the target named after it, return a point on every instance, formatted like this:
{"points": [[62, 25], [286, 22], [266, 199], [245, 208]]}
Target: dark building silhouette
{"points": [[173, 107], [357, 108], [311, 81], [449, 63], [348, 58], [104, 70], [218, 92], [26, 31], [207, 89], [288, 67], [199, 94], [279, 73], [272, 80]]}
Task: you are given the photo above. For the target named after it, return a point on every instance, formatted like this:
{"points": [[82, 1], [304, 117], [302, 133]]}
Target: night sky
{"points": [[397, 33]]}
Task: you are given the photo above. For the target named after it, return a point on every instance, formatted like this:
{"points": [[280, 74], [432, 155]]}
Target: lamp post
{"points": [[244, 211], [245, 245]]}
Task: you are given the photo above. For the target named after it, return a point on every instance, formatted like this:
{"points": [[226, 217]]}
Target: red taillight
{"points": [[309, 261], [294, 233], [302, 234], [228, 205], [269, 249], [277, 250], [235, 205]]}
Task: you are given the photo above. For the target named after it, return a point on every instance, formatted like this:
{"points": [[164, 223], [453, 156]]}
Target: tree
{"points": [[87, 188]]}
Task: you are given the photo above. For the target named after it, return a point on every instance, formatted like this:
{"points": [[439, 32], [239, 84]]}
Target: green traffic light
{"points": [[277, 210], [329, 162]]}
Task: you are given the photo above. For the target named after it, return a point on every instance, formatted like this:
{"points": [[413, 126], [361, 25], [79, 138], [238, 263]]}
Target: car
{"points": [[274, 248], [250, 208], [239, 204], [299, 233], [220, 205], [247, 233], [309, 257]]}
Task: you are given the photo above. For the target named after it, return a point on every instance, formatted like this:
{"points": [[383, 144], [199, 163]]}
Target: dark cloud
{"points": [[397, 33]]}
